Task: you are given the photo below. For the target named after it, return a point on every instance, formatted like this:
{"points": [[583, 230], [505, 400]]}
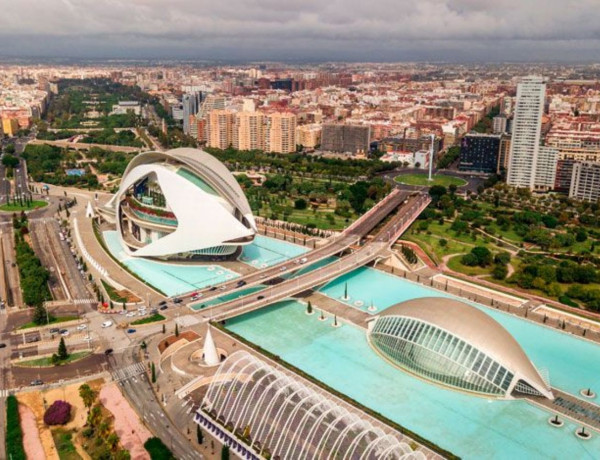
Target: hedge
{"points": [[157, 449], [14, 435]]}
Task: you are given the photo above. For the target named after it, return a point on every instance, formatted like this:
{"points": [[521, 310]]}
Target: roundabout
{"points": [[421, 179]]}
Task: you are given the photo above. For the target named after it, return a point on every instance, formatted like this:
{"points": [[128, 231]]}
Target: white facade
{"points": [[526, 131], [200, 207], [545, 173], [585, 182]]}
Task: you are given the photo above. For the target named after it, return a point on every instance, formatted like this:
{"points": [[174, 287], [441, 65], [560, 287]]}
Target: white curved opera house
{"points": [[181, 204]]}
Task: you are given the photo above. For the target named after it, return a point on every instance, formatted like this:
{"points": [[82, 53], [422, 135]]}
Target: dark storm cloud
{"points": [[385, 29]]}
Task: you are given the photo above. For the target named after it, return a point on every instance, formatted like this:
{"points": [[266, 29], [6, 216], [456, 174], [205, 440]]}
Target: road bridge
{"points": [[334, 245], [372, 250]]}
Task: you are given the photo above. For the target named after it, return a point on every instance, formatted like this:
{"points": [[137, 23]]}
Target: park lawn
{"points": [[421, 179], [149, 319], [431, 244], [63, 440], [455, 264], [47, 361], [319, 218], [53, 320], [509, 235], [35, 204]]}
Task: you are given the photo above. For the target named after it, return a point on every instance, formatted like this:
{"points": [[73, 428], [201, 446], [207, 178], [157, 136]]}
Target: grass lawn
{"points": [[150, 319], [455, 264], [47, 361], [53, 320], [421, 179], [35, 204], [112, 293], [63, 440], [319, 218]]}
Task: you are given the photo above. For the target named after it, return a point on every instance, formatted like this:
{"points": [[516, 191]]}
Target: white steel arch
{"points": [[290, 419]]}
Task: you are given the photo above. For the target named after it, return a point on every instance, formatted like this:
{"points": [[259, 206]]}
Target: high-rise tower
{"points": [[527, 125]]}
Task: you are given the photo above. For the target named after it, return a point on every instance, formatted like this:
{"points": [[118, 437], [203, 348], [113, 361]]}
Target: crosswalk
{"points": [[130, 371], [84, 301], [4, 392]]}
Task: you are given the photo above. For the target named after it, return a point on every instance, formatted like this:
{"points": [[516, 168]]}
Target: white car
{"points": [[107, 324], [64, 333], [130, 314], [82, 327], [282, 269]]}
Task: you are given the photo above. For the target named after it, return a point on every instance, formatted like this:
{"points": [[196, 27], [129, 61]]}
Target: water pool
{"points": [[469, 426], [367, 285], [172, 279], [265, 252]]}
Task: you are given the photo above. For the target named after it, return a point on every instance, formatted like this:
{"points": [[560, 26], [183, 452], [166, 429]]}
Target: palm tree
{"points": [[112, 441], [103, 430], [87, 395]]}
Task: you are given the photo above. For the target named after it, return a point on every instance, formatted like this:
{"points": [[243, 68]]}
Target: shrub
{"points": [[14, 435], [157, 449], [499, 272], [58, 413]]}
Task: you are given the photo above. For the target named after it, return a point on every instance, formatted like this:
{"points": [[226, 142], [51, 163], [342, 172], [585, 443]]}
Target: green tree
{"points": [[300, 204], [199, 434], [176, 330], [153, 371], [225, 452], [499, 272], [62, 350], [112, 441], [87, 395], [309, 308], [10, 161], [40, 315]]}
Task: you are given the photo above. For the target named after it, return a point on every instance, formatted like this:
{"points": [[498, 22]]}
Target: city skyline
{"points": [[445, 30]]}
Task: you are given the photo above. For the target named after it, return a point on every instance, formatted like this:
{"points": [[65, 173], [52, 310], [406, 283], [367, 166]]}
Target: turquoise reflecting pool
{"points": [[265, 251], [469, 426], [172, 279], [367, 285]]}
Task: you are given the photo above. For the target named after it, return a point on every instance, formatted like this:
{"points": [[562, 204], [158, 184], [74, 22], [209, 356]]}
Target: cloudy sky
{"points": [[373, 30]]}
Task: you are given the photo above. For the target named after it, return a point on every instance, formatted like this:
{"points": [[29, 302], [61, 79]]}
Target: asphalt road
{"points": [[4, 185], [367, 253], [350, 236], [139, 393]]}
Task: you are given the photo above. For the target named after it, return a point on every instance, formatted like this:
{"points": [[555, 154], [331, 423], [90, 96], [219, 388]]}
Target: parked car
{"points": [[108, 351], [36, 382], [54, 330], [162, 302], [130, 314], [107, 324], [260, 297], [2, 345], [64, 332], [82, 327], [241, 283], [164, 307], [214, 288], [130, 330], [282, 269], [177, 300]]}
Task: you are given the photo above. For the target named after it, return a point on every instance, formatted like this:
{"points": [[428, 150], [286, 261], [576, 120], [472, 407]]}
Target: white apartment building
{"points": [[585, 182], [526, 131]]}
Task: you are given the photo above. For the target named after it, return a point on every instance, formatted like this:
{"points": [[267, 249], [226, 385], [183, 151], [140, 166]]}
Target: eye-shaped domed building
{"points": [[456, 345], [181, 204]]}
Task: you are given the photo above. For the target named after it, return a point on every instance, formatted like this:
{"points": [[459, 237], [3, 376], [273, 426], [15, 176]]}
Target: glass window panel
{"points": [[485, 366], [492, 372], [499, 376]]}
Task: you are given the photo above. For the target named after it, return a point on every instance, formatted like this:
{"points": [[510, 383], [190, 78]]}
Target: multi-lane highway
{"points": [[372, 250], [66, 282], [350, 236], [4, 185]]}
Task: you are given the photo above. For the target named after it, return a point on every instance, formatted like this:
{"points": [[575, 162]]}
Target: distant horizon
{"points": [[5, 58]]}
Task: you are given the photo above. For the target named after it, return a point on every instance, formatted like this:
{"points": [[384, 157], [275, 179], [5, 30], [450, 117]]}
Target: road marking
{"points": [[130, 371], [84, 301]]}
